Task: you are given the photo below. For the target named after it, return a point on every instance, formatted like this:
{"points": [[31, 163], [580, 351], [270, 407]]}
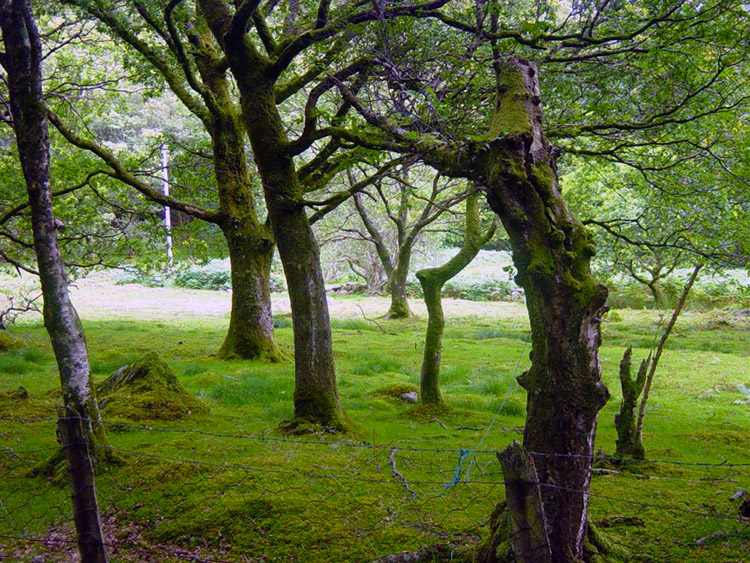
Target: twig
{"points": [[398, 475], [440, 422], [377, 324]]}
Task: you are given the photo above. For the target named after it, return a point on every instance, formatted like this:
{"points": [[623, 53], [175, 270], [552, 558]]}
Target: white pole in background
{"points": [[167, 210]]}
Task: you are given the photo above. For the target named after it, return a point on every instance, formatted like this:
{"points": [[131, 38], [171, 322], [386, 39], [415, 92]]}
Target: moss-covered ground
{"points": [[229, 486]]}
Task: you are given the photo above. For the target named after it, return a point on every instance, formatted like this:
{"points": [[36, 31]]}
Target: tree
{"points": [[411, 208], [598, 56], [433, 280], [260, 48], [629, 425], [197, 76], [22, 61]]}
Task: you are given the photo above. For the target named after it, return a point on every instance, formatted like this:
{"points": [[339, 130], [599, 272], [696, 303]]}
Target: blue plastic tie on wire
{"points": [[459, 470]]}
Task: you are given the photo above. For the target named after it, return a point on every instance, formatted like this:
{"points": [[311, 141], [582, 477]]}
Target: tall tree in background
{"points": [[22, 61]]}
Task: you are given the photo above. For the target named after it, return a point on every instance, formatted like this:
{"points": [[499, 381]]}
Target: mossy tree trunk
{"points": [[432, 281], [22, 61], [399, 308], [250, 242], [629, 443], [316, 398], [551, 252]]}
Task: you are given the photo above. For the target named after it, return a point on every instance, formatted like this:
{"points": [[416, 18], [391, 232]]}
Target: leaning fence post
{"points": [[526, 524], [88, 524]]}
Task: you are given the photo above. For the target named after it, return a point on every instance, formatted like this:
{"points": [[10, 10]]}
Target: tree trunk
{"points": [[23, 63], [250, 334], [316, 398], [251, 245], [433, 280], [551, 252], [429, 382], [399, 308]]}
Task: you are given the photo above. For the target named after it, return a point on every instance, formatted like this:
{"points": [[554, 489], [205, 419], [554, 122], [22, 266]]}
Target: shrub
{"points": [[202, 279]]}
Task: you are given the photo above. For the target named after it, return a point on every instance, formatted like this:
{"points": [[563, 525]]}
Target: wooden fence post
{"points": [[526, 523], [88, 524]]}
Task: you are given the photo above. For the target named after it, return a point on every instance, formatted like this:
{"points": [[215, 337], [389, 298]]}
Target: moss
{"points": [[395, 390], [511, 115], [20, 394], [147, 389], [496, 547], [8, 342], [428, 412], [600, 547]]}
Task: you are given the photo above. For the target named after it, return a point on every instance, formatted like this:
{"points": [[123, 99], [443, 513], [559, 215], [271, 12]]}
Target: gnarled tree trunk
{"points": [[551, 251], [629, 443]]}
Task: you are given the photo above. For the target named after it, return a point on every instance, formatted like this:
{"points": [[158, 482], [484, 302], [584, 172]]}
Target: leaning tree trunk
{"points": [[23, 63], [399, 308], [551, 251], [433, 280]]}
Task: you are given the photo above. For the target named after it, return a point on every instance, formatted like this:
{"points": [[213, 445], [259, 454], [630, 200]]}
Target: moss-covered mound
{"points": [[8, 342], [147, 389]]}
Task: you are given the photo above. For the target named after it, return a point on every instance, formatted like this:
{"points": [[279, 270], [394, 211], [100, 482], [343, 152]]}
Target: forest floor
{"points": [[228, 486]]}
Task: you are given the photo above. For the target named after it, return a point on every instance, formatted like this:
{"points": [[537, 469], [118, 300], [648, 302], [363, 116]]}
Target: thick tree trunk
{"points": [[399, 308], [433, 280], [316, 398], [251, 245], [551, 251], [23, 62], [250, 334]]}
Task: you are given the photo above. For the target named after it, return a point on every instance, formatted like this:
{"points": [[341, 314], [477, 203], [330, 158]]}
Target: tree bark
{"points": [[551, 252], [23, 64], [250, 334], [250, 242], [316, 398], [432, 281]]}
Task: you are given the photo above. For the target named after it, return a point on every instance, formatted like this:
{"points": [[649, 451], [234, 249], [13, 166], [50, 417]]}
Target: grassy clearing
{"points": [[329, 498]]}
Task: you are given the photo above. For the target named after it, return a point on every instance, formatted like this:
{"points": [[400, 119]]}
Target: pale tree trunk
{"points": [[23, 63], [433, 280]]}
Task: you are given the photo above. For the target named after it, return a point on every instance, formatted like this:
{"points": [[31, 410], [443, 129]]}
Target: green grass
{"points": [[280, 498]]}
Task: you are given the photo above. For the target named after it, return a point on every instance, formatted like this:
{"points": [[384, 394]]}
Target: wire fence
{"points": [[190, 494]]}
